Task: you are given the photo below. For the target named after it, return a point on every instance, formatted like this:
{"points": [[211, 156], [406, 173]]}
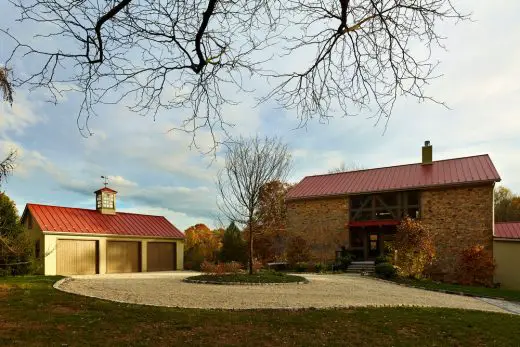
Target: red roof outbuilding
{"points": [[459, 171], [507, 230], [85, 221]]}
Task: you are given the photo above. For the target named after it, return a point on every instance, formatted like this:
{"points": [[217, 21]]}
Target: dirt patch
{"points": [[6, 288], [5, 325], [61, 309]]}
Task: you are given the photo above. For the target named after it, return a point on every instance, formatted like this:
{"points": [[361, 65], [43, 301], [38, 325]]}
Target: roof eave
{"points": [[51, 232], [498, 238]]}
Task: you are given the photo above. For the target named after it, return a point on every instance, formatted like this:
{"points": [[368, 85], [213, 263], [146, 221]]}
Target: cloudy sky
{"points": [[156, 172]]}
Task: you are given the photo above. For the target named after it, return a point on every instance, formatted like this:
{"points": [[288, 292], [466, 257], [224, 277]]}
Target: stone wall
{"points": [[458, 218], [323, 223]]}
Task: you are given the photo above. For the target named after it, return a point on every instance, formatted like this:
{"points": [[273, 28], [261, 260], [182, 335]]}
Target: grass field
{"points": [[32, 313], [507, 294]]}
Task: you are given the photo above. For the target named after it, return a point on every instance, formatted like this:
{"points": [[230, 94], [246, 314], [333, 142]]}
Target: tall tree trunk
{"points": [[250, 246]]}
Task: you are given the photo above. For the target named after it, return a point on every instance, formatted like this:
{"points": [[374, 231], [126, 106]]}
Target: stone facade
{"points": [[323, 223], [458, 218]]}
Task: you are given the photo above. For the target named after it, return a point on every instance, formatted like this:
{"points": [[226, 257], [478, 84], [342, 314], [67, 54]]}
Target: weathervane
{"points": [[105, 180]]}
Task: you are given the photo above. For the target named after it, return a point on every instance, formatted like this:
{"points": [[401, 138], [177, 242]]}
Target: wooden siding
{"points": [[123, 256], [76, 257], [161, 256]]}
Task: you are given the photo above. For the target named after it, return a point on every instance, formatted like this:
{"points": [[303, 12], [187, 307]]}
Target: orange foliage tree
{"points": [[270, 239], [475, 267], [201, 244], [414, 248]]}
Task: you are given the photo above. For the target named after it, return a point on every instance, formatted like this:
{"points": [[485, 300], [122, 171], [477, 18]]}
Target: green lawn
{"points": [[32, 313], [507, 294], [261, 277]]}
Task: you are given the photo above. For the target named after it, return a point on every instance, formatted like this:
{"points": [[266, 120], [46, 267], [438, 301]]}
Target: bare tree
{"points": [[152, 55], [353, 166], [250, 164], [7, 165], [5, 85]]}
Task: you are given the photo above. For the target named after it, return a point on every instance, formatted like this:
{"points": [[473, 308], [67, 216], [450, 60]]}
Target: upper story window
{"points": [[29, 221], [394, 205]]}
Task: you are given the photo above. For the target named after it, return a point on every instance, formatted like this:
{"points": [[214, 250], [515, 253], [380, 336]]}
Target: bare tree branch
{"points": [[349, 56], [6, 86], [7, 165]]}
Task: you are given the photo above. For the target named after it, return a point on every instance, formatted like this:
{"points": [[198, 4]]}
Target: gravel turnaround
{"points": [[322, 291]]}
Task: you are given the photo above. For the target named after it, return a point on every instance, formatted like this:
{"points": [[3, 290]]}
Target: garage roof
{"points": [[85, 221], [507, 230], [476, 169]]}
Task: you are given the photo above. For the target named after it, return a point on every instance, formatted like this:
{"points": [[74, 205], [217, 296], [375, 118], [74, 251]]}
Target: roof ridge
{"points": [[92, 210], [392, 166]]}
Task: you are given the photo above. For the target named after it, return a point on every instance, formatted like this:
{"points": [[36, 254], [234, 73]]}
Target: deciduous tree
{"points": [[15, 246], [154, 55], [271, 239], [507, 205], [201, 244], [250, 164], [414, 248]]}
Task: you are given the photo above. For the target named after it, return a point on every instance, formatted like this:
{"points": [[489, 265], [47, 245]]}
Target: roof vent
{"points": [[427, 153]]}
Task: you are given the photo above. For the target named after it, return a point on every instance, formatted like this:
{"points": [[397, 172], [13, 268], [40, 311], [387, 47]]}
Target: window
{"points": [[29, 222], [37, 248], [384, 206], [373, 242], [108, 201]]}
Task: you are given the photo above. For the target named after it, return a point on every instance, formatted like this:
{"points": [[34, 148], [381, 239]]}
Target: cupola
{"points": [[106, 200]]}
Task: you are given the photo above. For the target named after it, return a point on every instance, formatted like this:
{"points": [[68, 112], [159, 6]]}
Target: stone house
{"points": [[359, 210]]}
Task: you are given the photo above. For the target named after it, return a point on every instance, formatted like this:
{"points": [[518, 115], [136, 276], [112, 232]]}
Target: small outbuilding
{"points": [[506, 251], [78, 241]]}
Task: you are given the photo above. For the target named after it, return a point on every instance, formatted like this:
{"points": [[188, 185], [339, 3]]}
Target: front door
{"points": [[373, 245]]}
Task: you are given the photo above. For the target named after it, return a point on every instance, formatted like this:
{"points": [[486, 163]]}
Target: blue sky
{"points": [[156, 172]]}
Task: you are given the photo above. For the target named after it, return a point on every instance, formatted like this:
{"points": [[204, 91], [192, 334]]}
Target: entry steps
{"points": [[357, 267]]}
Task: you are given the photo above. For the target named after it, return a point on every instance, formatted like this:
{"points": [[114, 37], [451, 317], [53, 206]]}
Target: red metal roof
{"points": [[85, 221], [105, 189], [412, 176], [507, 230]]}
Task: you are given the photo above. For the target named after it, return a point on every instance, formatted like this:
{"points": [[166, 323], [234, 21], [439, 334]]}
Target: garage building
{"points": [[506, 251], [78, 241]]}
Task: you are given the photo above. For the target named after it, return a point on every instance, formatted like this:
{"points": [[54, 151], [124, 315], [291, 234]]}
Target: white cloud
{"points": [[181, 220], [120, 181], [15, 119]]}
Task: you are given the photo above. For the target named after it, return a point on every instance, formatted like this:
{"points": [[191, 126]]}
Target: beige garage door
{"points": [[123, 256], [76, 257], [161, 256]]}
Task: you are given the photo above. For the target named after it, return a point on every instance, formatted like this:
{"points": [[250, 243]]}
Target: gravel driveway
{"points": [[167, 289]]}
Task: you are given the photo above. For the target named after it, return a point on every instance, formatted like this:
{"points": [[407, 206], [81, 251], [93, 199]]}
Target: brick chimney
{"points": [[427, 153]]}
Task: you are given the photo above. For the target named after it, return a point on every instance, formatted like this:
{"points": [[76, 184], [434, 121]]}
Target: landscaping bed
{"points": [[242, 278]]}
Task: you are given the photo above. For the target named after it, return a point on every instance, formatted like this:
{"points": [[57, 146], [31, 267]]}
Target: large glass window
{"points": [[394, 206]]}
